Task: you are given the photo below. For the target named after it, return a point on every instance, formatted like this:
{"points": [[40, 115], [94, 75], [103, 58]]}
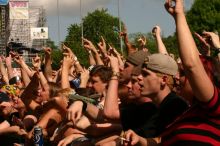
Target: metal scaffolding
{"points": [[17, 31], [4, 22]]}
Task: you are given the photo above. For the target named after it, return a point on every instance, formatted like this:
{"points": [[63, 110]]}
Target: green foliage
{"points": [[204, 15], [56, 57], [170, 42], [151, 44], [51, 44], [95, 24]]}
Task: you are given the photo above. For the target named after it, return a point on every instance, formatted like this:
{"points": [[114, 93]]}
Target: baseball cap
{"points": [[137, 70], [138, 57], [161, 63]]}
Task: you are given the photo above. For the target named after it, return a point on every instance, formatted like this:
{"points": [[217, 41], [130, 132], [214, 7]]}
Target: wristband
{"points": [[84, 106], [116, 74], [75, 58]]}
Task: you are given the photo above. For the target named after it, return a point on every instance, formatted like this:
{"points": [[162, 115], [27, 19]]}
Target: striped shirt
{"points": [[199, 126]]}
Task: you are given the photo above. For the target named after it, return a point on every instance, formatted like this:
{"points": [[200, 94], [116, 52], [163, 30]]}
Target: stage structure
{"points": [[18, 19]]}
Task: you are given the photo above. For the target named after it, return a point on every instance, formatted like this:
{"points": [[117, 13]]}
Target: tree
{"points": [[170, 42], [95, 24], [204, 15]]}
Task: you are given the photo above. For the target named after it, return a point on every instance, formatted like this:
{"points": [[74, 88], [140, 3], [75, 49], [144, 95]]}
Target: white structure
{"points": [[20, 29]]}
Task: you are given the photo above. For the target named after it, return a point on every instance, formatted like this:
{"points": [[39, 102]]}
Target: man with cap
{"points": [[156, 81], [123, 76], [132, 61]]}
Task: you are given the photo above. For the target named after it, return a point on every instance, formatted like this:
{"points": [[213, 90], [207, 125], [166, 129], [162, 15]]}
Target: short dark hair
{"points": [[104, 72]]}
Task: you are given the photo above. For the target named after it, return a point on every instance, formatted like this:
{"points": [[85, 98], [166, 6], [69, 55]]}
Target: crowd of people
{"points": [[143, 99]]}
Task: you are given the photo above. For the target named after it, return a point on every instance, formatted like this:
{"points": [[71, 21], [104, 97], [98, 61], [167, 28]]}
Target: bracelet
{"points": [[116, 74], [112, 78], [77, 62], [75, 58]]}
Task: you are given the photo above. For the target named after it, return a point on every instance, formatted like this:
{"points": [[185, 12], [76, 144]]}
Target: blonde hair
{"points": [[65, 92], [170, 79]]}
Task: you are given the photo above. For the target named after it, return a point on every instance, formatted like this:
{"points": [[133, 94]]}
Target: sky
{"points": [[138, 15]]}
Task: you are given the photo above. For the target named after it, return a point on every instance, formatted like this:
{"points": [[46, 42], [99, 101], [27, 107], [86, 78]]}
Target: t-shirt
{"points": [[169, 109], [149, 121], [199, 126], [140, 118]]}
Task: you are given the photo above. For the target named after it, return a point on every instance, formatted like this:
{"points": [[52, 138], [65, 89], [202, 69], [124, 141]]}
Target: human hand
{"points": [[124, 32], [89, 45], [67, 140], [19, 131], [142, 41], [74, 112], [131, 138], [47, 51], [204, 42], [36, 62], [68, 61], [84, 75], [102, 45], [67, 50], [8, 60], [174, 7], [156, 31], [214, 38], [114, 63], [18, 59]]}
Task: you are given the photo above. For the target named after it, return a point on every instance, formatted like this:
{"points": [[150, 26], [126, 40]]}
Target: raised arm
{"points": [[9, 66], [89, 45], [27, 95], [91, 58], [67, 63], [25, 77], [3, 71], [111, 107], [48, 62], [77, 65], [129, 46], [102, 47], [37, 67], [195, 72], [160, 45], [19, 60]]}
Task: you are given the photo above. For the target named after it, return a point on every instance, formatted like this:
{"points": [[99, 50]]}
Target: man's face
{"points": [[133, 88], [125, 74], [40, 95], [97, 84], [149, 82]]}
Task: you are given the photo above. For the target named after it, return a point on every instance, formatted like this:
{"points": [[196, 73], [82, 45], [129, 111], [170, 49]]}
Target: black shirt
{"points": [[170, 108], [140, 118]]}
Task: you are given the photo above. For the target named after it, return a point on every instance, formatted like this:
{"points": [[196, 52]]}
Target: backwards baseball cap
{"points": [[161, 63], [138, 57], [137, 70]]}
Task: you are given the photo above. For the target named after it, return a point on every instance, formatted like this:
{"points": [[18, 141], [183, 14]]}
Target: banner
{"points": [[18, 10], [39, 33], [3, 2]]}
